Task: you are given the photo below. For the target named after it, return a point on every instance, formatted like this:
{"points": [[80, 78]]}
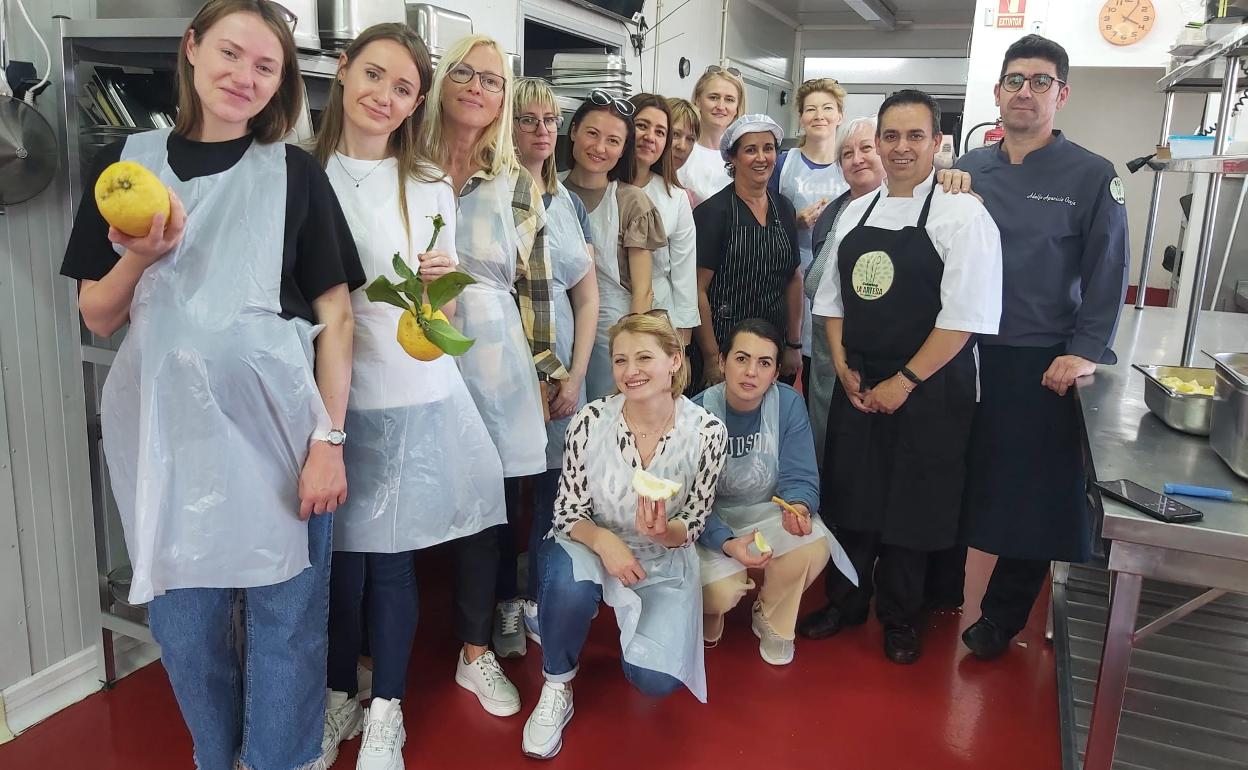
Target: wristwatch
{"points": [[793, 345], [333, 437]]}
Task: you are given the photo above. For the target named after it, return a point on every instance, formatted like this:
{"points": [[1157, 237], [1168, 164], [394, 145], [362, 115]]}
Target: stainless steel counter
{"points": [[1126, 441]]}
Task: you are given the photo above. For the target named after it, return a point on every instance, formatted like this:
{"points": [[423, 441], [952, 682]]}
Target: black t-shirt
{"points": [[318, 254], [713, 220]]}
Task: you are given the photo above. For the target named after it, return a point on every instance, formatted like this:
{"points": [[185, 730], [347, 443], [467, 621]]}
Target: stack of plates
{"points": [[574, 75]]}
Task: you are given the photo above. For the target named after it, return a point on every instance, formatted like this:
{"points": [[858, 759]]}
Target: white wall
{"points": [[917, 40]]}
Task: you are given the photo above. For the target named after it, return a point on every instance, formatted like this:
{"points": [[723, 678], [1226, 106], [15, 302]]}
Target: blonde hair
{"points": [[280, 115], [404, 139], [495, 150], [704, 83], [684, 111], [659, 327], [827, 86], [537, 91]]}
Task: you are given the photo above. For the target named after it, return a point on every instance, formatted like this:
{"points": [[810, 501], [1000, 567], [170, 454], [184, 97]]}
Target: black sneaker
{"points": [[901, 643], [986, 639], [828, 621]]}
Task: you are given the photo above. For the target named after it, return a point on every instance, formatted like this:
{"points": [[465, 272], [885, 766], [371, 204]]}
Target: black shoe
{"points": [[828, 621], [901, 643], [986, 639]]}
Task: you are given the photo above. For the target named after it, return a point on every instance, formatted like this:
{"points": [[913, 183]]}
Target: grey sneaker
{"points": [[343, 719], [773, 649], [509, 640]]}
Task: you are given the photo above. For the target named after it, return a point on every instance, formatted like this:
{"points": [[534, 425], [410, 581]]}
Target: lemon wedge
{"points": [[652, 487], [761, 543]]}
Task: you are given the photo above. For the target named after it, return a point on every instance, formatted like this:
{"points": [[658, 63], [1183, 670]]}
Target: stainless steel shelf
{"points": [[1209, 164], [1200, 73]]}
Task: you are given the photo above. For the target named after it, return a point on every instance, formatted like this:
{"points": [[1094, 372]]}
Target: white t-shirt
{"points": [[703, 174], [964, 235], [383, 374], [676, 264]]}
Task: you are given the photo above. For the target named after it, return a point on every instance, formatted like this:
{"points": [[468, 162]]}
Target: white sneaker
{"points": [[543, 733], [485, 678], [508, 630], [343, 717], [384, 736], [773, 649], [531, 628]]}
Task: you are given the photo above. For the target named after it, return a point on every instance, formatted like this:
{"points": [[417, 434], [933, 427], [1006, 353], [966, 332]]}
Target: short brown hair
{"points": [[659, 327], [280, 115], [684, 111], [664, 166]]}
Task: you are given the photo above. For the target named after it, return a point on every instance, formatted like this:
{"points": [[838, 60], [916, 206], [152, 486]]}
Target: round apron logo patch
{"points": [[873, 275], [1116, 190]]}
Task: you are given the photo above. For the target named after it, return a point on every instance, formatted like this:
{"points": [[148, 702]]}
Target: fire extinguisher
{"points": [[991, 136]]}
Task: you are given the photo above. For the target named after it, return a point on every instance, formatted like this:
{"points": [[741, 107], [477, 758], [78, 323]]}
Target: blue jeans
{"points": [[270, 710], [545, 488], [565, 608], [393, 607]]}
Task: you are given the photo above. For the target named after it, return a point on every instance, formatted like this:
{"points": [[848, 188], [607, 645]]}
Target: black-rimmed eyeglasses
{"points": [[529, 123], [1013, 81], [490, 81]]}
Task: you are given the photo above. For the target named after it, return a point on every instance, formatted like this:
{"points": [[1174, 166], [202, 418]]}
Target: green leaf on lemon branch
{"points": [[382, 290], [447, 288], [401, 267], [447, 337]]}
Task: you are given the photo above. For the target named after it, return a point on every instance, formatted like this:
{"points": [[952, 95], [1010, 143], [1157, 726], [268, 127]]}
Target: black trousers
{"points": [[806, 364], [946, 577], [1012, 590], [476, 568], [895, 575], [506, 585]]}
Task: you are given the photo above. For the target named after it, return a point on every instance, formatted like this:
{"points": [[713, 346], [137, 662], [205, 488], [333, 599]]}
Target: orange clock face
{"points": [[1126, 22]]}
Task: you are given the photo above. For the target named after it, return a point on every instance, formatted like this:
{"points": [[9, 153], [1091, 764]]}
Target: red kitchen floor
{"points": [[841, 704]]}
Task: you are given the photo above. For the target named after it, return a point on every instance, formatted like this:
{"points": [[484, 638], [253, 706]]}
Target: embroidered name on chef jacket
{"points": [[873, 275]]}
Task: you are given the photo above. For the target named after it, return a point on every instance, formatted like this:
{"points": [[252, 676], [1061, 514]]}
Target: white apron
{"points": [[569, 263], [413, 431], [211, 402], [614, 300], [499, 366], [660, 618], [804, 185], [743, 496]]}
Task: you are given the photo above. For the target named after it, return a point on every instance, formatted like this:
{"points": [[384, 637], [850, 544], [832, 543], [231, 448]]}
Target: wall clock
{"points": [[1126, 22]]}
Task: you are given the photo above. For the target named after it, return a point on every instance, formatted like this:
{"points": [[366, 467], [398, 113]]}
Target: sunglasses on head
{"points": [[287, 15], [606, 99], [1013, 81], [715, 69], [813, 81], [657, 312]]}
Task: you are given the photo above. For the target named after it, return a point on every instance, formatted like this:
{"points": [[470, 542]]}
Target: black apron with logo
{"points": [[754, 272], [901, 474]]}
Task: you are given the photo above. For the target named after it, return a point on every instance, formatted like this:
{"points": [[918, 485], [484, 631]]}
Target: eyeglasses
{"points": [[490, 81], [287, 15], [1013, 81], [604, 99], [528, 123], [814, 81], [715, 69]]}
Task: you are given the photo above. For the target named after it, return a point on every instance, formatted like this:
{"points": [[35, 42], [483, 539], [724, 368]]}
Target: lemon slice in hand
{"points": [[652, 487], [761, 543]]}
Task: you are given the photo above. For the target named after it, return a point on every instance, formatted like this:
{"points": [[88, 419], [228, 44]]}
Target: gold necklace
{"points": [[629, 423]]}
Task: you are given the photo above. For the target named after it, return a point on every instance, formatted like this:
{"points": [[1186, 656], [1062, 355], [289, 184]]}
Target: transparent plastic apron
{"points": [[421, 465], [570, 262], [211, 402], [743, 495], [613, 299], [804, 185], [498, 368], [660, 618]]}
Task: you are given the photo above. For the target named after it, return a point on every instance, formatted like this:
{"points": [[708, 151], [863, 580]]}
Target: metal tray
{"points": [[1229, 437], [1187, 412]]}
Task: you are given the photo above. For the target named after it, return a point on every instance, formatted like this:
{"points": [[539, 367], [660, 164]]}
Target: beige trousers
{"points": [[785, 579]]}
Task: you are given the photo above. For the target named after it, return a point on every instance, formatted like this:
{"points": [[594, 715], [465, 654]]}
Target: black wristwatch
{"points": [[793, 345]]}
